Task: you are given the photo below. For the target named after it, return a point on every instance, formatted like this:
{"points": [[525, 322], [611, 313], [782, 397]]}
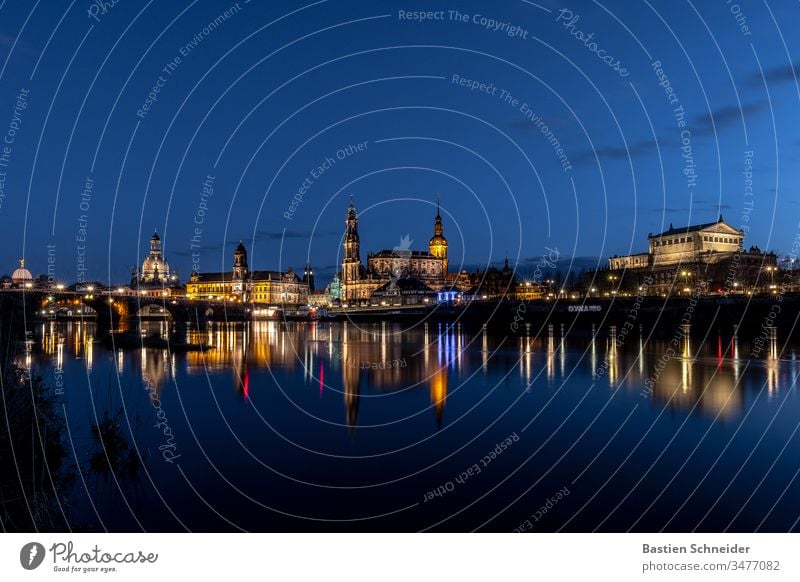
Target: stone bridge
{"points": [[109, 308]]}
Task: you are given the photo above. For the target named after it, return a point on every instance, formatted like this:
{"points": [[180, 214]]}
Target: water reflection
{"points": [[155, 363], [54, 337], [341, 390], [378, 357], [772, 363], [611, 351], [683, 372]]}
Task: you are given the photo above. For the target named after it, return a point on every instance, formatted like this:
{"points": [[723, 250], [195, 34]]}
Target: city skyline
{"points": [[328, 266], [565, 266], [631, 168]]}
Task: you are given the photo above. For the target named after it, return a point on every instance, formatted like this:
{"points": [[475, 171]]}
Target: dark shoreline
{"points": [[726, 315]]}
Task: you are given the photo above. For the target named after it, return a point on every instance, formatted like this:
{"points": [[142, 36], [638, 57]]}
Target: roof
{"points": [[22, 274], [404, 284], [211, 277], [270, 275], [692, 228], [253, 276], [402, 254]]}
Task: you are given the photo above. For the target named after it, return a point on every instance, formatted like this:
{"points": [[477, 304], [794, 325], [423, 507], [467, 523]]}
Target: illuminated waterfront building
{"points": [[358, 283], [21, 276], [155, 269], [701, 242], [241, 284], [695, 259]]}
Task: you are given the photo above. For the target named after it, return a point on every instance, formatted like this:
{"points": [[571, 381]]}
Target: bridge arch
{"points": [[153, 311], [68, 309]]}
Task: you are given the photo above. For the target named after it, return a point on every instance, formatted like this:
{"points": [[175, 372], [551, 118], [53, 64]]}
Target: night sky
{"points": [[588, 126]]}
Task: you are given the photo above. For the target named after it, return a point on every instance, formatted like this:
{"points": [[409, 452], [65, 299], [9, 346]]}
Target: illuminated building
{"points": [[155, 269], [21, 276], [241, 284], [696, 259], [358, 283], [437, 246], [682, 245]]}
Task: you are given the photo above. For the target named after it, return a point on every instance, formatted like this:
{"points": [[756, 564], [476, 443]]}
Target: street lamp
{"points": [[686, 275]]}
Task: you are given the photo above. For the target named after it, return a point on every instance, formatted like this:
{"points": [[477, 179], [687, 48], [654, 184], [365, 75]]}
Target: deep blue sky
{"points": [[271, 102]]}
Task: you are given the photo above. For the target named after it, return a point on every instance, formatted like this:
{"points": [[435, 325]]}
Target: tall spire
{"points": [[351, 261], [438, 230], [438, 244]]}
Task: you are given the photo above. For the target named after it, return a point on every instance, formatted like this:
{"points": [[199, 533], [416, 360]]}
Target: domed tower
{"points": [[351, 264], [240, 262], [155, 244], [438, 244], [155, 269]]}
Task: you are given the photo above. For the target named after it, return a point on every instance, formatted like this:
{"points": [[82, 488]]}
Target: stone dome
{"points": [[21, 275], [155, 269]]}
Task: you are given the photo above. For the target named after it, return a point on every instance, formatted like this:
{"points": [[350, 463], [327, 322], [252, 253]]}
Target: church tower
{"points": [[240, 262], [155, 245], [240, 273], [308, 277], [351, 264], [438, 244]]}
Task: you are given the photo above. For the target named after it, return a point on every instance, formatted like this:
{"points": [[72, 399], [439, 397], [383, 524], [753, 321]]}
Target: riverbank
{"points": [[725, 314]]}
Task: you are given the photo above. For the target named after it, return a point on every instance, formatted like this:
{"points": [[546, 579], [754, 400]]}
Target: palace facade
{"points": [[703, 258], [710, 242], [385, 268], [241, 284]]}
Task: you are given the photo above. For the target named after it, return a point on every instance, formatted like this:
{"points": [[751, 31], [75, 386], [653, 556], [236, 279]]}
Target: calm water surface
{"points": [[338, 426]]}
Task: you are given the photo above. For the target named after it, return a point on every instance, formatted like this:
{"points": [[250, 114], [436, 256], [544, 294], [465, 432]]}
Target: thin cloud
{"points": [[696, 206], [263, 235], [775, 75], [725, 117], [617, 153]]}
